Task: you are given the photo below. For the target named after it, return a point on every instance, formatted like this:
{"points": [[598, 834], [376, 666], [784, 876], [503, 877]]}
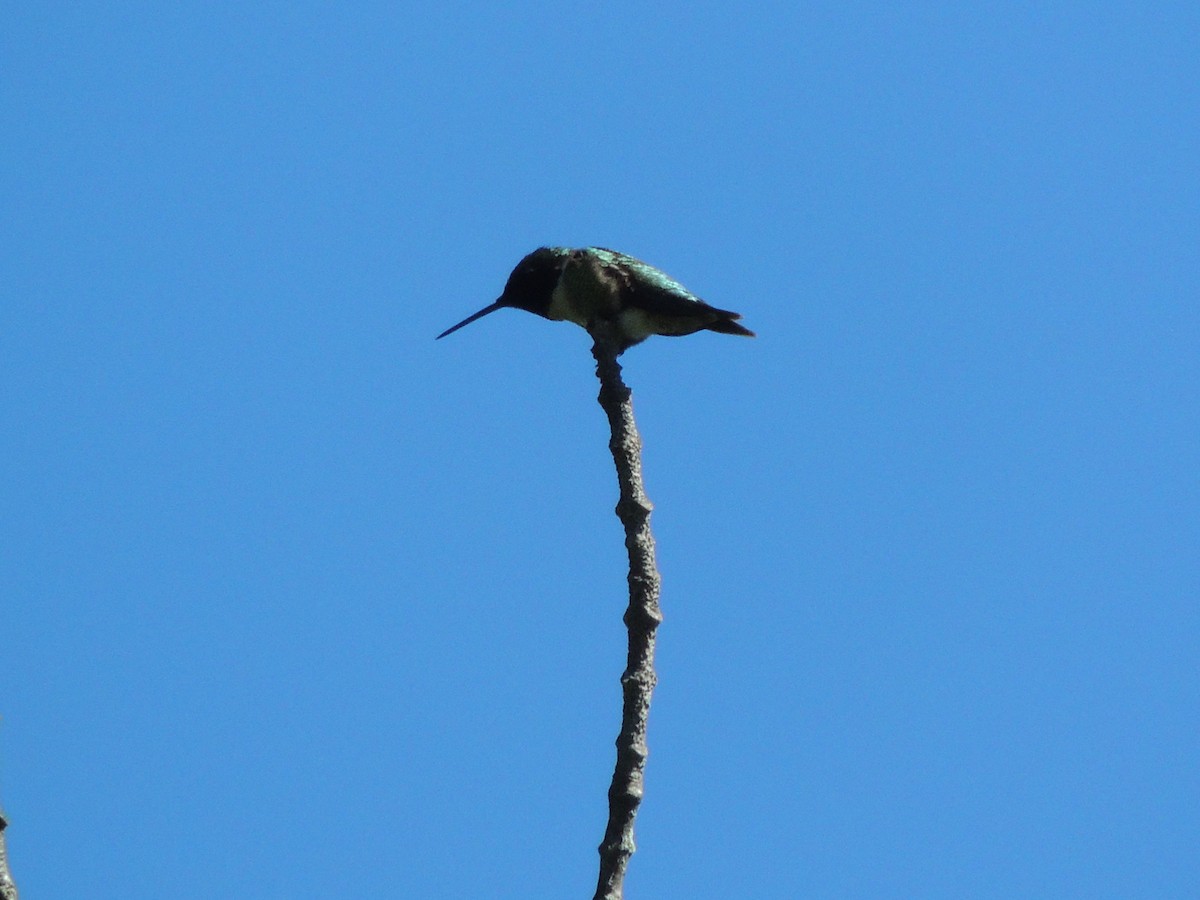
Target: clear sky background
{"points": [[298, 602]]}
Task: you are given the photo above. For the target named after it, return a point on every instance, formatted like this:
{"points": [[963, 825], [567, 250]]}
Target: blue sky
{"points": [[299, 601]]}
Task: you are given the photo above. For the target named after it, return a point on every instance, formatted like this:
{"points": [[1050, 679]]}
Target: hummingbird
{"points": [[592, 284]]}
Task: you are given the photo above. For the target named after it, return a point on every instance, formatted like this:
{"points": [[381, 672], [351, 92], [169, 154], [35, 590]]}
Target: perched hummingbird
{"points": [[593, 284]]}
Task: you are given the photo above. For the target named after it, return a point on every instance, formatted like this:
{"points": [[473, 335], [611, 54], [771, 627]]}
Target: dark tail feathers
{"points": [[729, 326]]}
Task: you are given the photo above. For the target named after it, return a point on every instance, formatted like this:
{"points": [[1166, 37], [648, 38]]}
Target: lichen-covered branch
{"points": [[8, 888], [641, 618]]}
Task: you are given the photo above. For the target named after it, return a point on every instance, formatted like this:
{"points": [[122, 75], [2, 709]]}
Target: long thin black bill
{"points": [[471, 318]]}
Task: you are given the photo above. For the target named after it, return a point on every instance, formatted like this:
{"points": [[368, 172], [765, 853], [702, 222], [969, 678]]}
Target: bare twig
{"points": [[641, 618]]}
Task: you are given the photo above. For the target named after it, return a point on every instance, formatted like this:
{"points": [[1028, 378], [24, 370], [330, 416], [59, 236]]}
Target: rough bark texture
{"points": [[641, 618], [8, 888]]}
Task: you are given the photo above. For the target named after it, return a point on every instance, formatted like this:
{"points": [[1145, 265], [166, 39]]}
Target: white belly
{"points": [[636, 324], [562, 309]]}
